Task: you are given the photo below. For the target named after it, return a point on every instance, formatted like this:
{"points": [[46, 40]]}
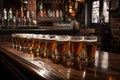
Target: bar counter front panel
{"points": [[107, 66]]}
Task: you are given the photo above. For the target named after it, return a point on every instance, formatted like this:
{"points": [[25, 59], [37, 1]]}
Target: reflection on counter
{"points": [[49, 70]]}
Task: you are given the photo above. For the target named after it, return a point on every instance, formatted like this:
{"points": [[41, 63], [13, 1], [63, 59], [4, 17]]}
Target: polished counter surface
{"points": [[107, 66]]}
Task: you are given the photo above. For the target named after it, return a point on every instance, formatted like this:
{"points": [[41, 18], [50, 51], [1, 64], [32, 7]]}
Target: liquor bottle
{"points": [[4, 21], [21, 13], [10, 17], [76, 5], [57, 14], [17, 19], [61, 14], [14, 22], [21, 16], [31, 17], [41, 13], [28, 20], [44, 13]]}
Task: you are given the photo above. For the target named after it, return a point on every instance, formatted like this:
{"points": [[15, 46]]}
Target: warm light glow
{"points": [[84, 74], [70, 10], [105, 60], [43, 72], [73, 13], [96, 58], [81, 1]]}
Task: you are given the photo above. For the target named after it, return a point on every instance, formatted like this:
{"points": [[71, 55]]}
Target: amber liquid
{"points": [[76, 47], [51, 45], [91, 50], [24, 44], [62, 47], [30, 45], [43, 48], [20, 41], [13, 41], [37, 47], [17, 42]]}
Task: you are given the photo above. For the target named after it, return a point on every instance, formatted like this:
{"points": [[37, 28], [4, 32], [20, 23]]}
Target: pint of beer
{"points": [[51, 46], [13, 40], [17, 41], [30, 43], [25, 43], [90, 49], [43, 46], [63, 46], [37, 45], [76, 48], [21, 41]]}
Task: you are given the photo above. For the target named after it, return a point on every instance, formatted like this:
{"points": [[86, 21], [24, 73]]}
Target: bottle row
{"points": [[12, 18]]}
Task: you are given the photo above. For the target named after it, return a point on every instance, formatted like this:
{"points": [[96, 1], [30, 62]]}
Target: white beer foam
{"points": [[91, 40], [77, 38], [62, 38]]}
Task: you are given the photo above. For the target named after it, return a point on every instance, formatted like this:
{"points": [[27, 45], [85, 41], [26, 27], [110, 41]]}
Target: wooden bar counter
{"points": [[26, 67]]}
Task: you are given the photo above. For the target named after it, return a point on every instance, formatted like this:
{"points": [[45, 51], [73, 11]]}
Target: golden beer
{"points": [[51, 46], [13, 40], [63, 49], [76, 49], [25, 43], [37, 45], [43, 44], [17, 41], [90, 49], [30, 44], [21, 41]]}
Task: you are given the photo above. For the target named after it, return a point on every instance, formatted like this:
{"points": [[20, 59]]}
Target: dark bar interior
{"points": [[60, 39]]}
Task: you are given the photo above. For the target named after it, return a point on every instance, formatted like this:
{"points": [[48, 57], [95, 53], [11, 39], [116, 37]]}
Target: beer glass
{"points": [[51, 46], [30, 44], [37, 45], [77, 51], [25, 43], [17, 37], [62, 50], [90, 49], [43, 46], [13, 40], [20, 37], [21, 41]]}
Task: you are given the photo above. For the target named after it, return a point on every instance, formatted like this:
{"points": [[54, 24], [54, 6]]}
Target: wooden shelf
{"points": [[39, 31]]}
